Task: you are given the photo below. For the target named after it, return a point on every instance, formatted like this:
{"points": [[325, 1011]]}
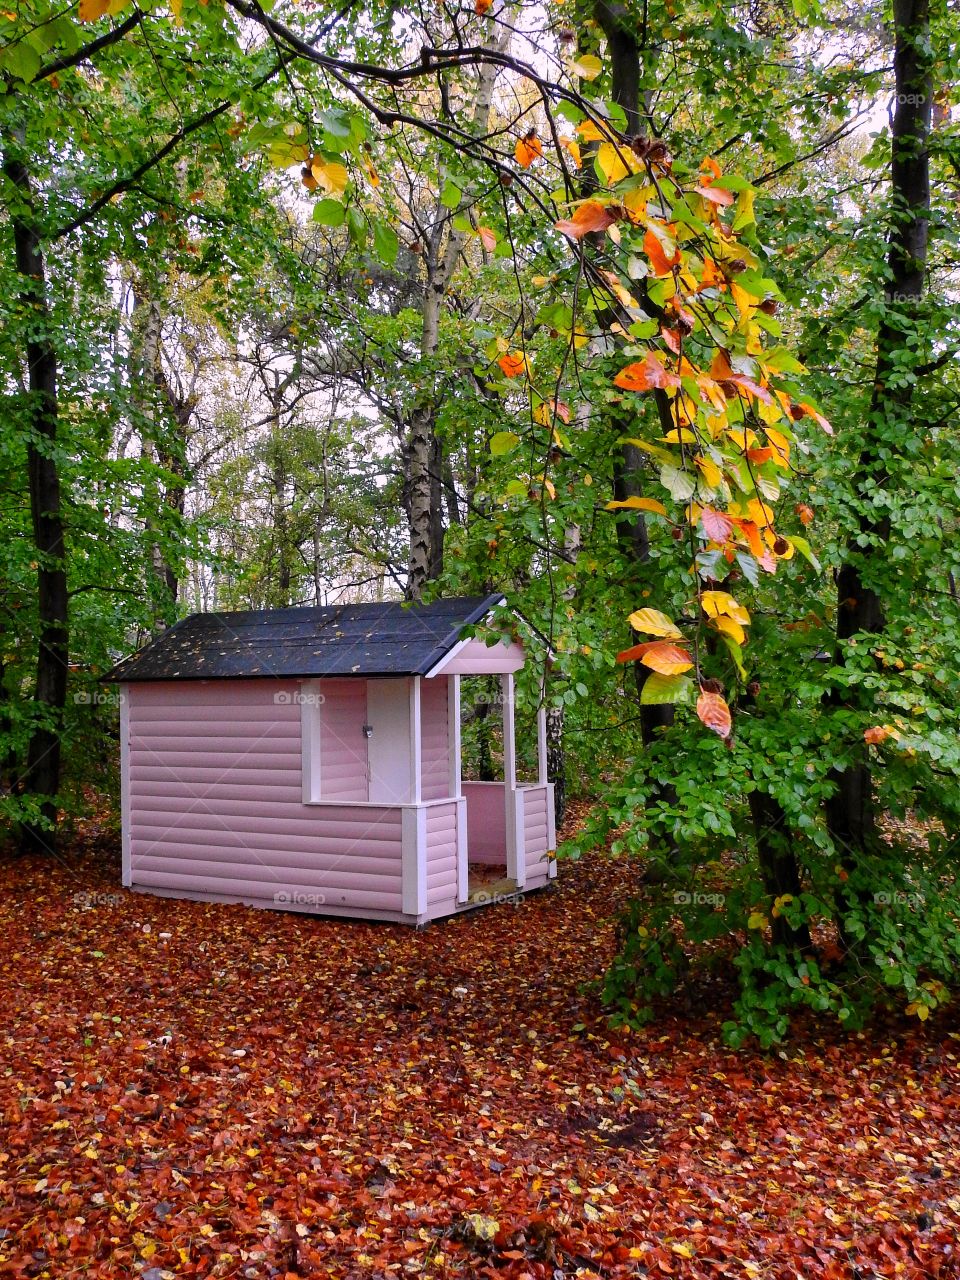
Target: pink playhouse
{"points": [[309, 759]]}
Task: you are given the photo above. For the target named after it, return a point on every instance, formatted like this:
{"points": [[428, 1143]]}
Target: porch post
{"points": [[416, 754], [453, 733], [516, 862], [126, 861]]}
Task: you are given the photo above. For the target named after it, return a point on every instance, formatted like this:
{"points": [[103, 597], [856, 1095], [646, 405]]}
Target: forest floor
{"points": [[197, 1090]]}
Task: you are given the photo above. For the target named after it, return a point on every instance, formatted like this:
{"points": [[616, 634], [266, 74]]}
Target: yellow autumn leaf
{"points": [[616, 162], [680, 435], [781, 447], [176, 9], [589, 131], [718, 604], [91, 10], [730, 627], [711, 472], [745, 302], [588, 66], [637, 504], [682, 1250], [654, 623], [572, 148], [757, 920], [330, 175]]}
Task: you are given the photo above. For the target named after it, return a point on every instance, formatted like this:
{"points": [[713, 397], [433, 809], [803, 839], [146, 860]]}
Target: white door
{"points": [[388, 747]]}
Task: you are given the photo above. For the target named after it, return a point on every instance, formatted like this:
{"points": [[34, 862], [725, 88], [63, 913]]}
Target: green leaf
{"points": [[329, 213], [502, 442], [386, 242], [736, 653], [680, 484], [20, 60], [658, 689], [357, 227], [803, 546], [451, 195]]}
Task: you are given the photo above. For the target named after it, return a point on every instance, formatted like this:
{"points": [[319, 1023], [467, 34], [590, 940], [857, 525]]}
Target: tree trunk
{"points": [[41, 777], [423, 454], [850, 811]]}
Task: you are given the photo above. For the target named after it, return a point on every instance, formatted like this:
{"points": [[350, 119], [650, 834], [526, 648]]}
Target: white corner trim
{"points": [[463, 857], [126, 860], [416, 743], [413, 860], [453, 734]]}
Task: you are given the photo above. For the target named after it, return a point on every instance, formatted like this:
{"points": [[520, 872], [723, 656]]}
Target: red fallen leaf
{"points": [[590, 216], [652, 247], [717, 526], [714, 712], [646, 376]]}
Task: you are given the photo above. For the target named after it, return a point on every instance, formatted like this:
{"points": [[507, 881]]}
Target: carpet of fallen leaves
{"points": [[196, 1090]]}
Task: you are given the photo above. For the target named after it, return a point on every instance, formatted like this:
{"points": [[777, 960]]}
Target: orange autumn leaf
{"points": [[646, 375], [714, 170], [712, 709], [668, 659], [528, 149], [572, 148], [879, 733], [718, 195], [487, 238], [512, 363], [805, 513], [805, 410], [590, 216], [662, 265], [659, 655], [91, 10], [481, 7]]}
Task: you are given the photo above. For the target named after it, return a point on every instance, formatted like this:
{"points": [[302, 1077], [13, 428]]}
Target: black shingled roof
{"points": [[388, 639]]}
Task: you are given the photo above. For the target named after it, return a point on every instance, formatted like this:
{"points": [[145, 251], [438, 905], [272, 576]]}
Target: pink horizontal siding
{"points": [[536, 831], [434, 739], [215, 799], [479, 659], [486, 823], [442, 858]]}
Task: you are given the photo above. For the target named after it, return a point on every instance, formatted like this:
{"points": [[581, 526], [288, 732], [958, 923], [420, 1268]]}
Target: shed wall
{"points": [[215, 803]]}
